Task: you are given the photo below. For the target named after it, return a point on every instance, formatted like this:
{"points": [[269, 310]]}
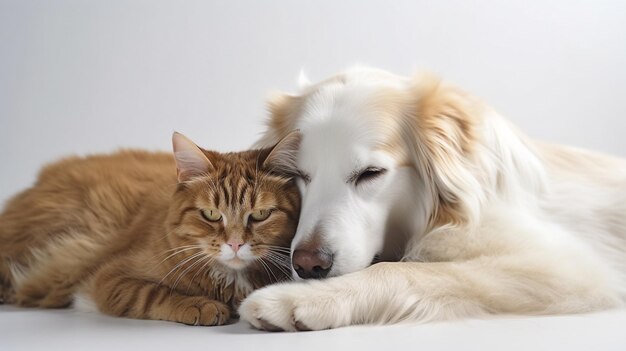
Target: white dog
{"points": [[478, 219]]}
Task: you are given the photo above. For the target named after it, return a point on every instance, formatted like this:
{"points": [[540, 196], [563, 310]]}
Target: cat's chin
{"points": [[236, 264]]}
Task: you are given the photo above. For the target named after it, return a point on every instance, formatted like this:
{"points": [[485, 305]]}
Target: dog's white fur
{"points": [[482, 220]]}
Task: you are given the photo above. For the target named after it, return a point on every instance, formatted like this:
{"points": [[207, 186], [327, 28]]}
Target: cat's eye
{"points": [[260, 215], [211, 215], [369, 173]]}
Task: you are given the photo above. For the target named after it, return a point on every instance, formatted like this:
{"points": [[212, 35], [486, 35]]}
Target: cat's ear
{"points": [[190, 160], [282, 157]]}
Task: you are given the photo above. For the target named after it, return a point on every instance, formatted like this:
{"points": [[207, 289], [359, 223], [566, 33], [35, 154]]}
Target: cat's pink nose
{"points": [[235, 244]]}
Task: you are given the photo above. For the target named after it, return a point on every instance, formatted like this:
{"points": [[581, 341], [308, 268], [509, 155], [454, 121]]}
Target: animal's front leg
{"points": [[313, 305], [409, 291]]}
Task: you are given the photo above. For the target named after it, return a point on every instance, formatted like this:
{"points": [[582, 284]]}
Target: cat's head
{"points": [[234, 209]]}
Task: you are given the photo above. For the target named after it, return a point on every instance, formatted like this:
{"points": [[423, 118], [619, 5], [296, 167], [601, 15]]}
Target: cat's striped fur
{"points": [[122, 230]]}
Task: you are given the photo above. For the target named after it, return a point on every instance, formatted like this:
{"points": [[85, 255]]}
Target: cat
{"points": [[150, 236]]}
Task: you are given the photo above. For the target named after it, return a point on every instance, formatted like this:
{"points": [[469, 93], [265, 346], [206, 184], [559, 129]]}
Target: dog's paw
{"points": [[294, 307], [269, 309]]}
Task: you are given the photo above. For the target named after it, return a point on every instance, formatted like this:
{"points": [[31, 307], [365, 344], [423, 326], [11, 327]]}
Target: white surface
{"points": [[69, 330], [85, 76]]}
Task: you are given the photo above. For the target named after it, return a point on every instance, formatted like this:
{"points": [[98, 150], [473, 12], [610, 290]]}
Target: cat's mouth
{"points": [[236, 263], [238, 258]]}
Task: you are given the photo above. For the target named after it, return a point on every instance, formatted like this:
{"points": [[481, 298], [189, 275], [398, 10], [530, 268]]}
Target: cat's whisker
{"points": [[278, 256], [284, 269], [285, 275], [194, 247], [183, 270], [176, 248], [281, 265], [279, 252], [209, 259], [181, 275], [286, 253], [268, 270], [282, 248], [181, 263], [258, 259]]}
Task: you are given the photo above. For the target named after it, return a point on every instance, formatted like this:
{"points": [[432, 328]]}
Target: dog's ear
{"points": [[283, 111], [303, 80], [282, 156], [443, 124]]}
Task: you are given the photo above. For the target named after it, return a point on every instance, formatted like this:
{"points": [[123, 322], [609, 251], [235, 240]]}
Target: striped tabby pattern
{"points": [[123, 232]]}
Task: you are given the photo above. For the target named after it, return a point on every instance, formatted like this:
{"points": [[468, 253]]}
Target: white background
{"points": [[90, 76]]}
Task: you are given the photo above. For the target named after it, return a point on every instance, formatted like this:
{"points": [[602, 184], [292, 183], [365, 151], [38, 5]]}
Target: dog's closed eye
{"points": [[367, 174]]}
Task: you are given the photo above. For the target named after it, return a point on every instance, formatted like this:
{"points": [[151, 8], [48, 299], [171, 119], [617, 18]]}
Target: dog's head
{"points": [[381, 159]]}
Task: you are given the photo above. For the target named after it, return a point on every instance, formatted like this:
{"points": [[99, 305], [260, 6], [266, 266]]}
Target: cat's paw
{"points": [[201, 311], [7, 294], [293, 307], [41, 295]]}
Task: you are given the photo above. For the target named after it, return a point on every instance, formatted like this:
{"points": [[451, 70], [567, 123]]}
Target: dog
{"points": [[462, 214]]}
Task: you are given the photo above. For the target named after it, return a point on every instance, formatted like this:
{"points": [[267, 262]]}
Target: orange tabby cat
{"points": [[142, 241]]}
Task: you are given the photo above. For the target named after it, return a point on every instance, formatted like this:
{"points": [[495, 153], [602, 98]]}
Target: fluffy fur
{"points": [[475, 218], [129, 238]]}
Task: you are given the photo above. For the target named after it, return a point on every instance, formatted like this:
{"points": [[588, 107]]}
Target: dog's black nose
{"points": [[311, 264]]}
